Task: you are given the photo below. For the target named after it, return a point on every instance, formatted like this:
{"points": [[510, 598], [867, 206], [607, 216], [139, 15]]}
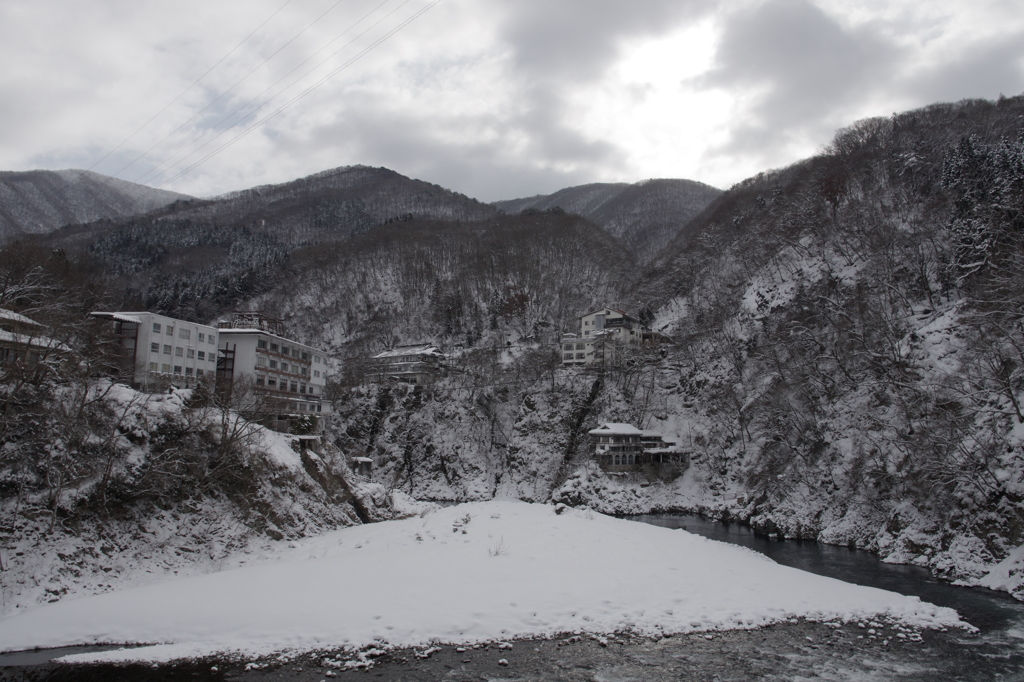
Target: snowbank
{"points": [[473, 572]]}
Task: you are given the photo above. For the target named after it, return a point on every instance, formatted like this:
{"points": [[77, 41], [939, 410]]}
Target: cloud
{"points": [[973, 71], [801, 68], [467, 152]]}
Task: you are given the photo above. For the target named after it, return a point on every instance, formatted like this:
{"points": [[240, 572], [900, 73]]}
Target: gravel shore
{"points": [[791, 651]]}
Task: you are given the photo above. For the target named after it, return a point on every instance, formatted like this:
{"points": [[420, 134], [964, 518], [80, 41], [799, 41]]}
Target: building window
{"points": [[191, 353], [153, 366], [295, 352], [188, 371], [580, 356], [170, 330], [177, 369], [201, 355], [165, 368], [260, 381], [305, 357], [273, 348], [304, 371], [261, 362], [302, 388], [199, 372], [201, 338], [316, 373], [568, 356], [211, 358], [312, 390], [210, 340], [261, 344], [273, 364], [167, 350], [156, 327], [154, 347], [271, 381], [179, 353], [184, 333], [295, 387], [284, 366], [284, 350]]}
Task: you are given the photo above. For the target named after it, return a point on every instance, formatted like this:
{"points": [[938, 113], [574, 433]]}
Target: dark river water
{"points": [[985, 609]]}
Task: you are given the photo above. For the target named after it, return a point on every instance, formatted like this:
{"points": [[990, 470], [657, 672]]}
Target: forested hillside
{"points": [[39, 201], [850, 335], [199, 258], [644, 216], [506, 279]]}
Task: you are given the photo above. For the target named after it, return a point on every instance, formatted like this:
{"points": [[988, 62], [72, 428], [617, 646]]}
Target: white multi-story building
{"points": [[286, 377], [160, 351], [601, 333]]}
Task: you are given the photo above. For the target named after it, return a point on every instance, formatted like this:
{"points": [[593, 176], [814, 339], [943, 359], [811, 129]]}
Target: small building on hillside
{"points": [[23, 341], [415, 364], [622, 447], [154, 352], [603, 334], [284, 379]]}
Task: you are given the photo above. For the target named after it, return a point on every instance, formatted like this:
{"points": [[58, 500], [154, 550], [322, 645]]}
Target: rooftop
{"points": [[616, 429], [12, 316], [415, 349]]}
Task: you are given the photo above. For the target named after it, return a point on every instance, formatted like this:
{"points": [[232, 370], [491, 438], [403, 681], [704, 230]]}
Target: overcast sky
{"points": [[493, 98]]}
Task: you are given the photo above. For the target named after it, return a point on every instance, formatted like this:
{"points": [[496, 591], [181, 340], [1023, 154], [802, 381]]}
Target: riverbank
{"points": [[785, 651]]}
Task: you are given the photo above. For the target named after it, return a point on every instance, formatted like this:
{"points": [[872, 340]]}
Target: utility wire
{"points": [[223, 94], [298, 97], [196, 82], [271, 99]]}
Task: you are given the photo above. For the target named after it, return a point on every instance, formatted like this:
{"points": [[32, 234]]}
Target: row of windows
{"points": [[579, 356], [284, 385], [166, 369], [179, 352], [282, 349], [579, 346], [185, 333], [285, 367]]}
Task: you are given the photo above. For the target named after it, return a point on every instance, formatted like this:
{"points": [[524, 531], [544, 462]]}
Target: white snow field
{"points": [[473, 572]]}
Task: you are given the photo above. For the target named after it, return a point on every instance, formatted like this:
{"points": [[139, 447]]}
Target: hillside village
{"points": [[252, 365]]}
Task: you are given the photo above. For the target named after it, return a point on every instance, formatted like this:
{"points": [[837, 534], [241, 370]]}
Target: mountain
{"points": [[198, 258], [39, 201], [644, 216]]}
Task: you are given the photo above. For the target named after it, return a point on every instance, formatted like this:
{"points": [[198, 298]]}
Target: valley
{"points": [[845, 360]]}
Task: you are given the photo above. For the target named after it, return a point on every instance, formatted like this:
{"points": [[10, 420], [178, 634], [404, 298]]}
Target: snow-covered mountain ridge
{"points": [[644, 216], [33, 202]]}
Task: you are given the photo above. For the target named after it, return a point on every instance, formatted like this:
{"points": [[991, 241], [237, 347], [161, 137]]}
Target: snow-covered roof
{"points": [[362, 460], [611, 310], [17, 317], [282, 339], [43, 342], [120, 317], [420, 349], [616, 429]]}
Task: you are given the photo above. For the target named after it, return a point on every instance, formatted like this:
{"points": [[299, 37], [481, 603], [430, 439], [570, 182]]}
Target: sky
{"points": [[496, 99]]}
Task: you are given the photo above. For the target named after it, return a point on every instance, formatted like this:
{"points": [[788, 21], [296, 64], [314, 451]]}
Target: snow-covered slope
{"points": [[475, 572], [40, 201]]}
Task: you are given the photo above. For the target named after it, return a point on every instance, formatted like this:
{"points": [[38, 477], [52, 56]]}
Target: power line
{"points": [[223, 94], [253, 99], [196, 82], [298, 97]]}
